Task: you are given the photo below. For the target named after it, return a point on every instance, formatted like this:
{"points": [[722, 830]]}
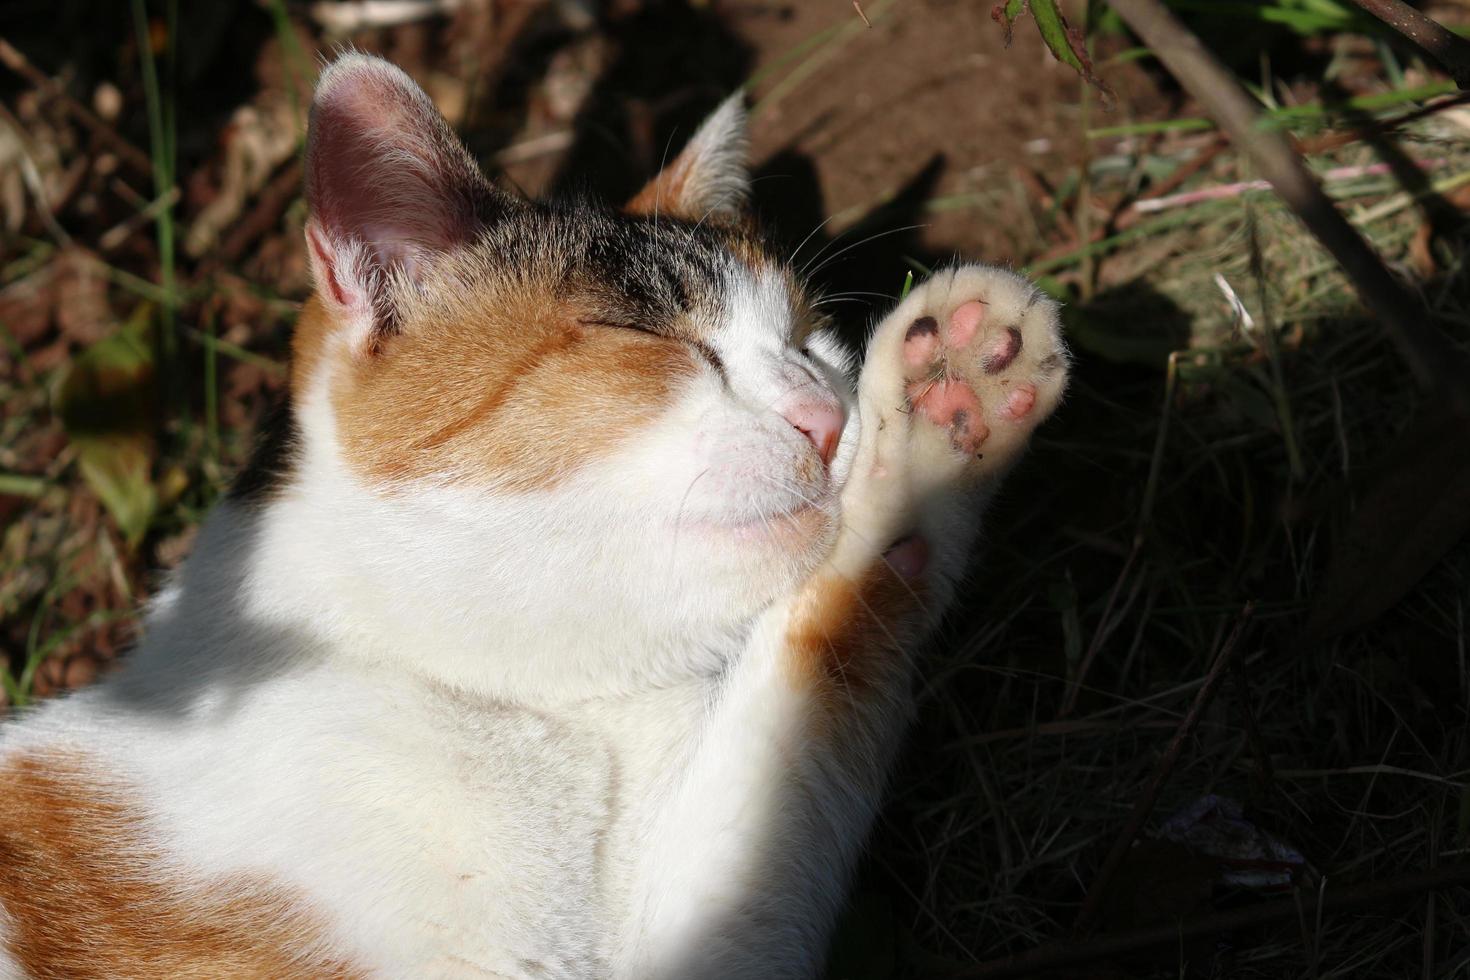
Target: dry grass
{"points": [[1277, 437]]}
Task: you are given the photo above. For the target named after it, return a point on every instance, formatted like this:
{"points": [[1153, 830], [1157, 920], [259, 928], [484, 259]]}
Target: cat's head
{"points": [[640, 394]]}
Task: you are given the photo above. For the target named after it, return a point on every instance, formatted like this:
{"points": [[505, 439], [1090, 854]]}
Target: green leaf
{"points": [[1065, 43], [119, 470], [19, 485], [107, 404]]}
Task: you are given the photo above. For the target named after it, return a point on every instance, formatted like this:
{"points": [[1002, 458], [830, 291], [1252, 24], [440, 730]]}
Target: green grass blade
{"points": [[161, 141]]}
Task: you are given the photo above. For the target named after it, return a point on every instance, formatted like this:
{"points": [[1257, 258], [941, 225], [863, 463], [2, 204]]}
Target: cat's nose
{"points": [[819, 421]]}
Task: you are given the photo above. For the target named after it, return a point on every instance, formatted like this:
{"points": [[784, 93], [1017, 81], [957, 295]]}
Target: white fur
{"points": [[497, 735], [9, 968]]}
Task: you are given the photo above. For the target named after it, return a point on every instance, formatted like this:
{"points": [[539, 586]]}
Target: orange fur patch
{"points": [[664, 194], [81, 897], [846, 638], [309, 344], [520, 392]]}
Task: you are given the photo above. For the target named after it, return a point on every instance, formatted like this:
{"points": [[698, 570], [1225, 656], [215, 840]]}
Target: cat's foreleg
{"points": [[747, 863]]}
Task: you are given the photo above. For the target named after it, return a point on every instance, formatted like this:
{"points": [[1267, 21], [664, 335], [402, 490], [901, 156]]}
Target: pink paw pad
{"points": [[1020, 401], [921, 341], [953, 405], [908, 557], [965, 322]]}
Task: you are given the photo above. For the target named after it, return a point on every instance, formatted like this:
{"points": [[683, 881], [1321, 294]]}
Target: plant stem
{"points": [[1443, 45], [1439, 366]]}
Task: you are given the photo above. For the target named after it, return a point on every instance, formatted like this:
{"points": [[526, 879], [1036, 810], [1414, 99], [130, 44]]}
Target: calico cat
{"points": [[563, 629]]}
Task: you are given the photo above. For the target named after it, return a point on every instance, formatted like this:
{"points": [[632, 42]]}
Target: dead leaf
{"points": [[1215, 827], [26, 307], [106, 402], [84, 317]]}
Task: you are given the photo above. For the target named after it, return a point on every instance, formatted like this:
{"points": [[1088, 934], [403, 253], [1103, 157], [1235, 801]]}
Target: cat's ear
{"points": [[710, 176], [389, 187]]}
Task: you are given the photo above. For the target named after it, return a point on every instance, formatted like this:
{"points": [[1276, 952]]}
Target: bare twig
{"points": [[1331, 141], [119, 233], [1438, 364], [1444, 46], [49, 87], [270, 204], [536, 147], [1126, 215], [362, 15], [1371, 894], [1162, 771], [1219, 192]]}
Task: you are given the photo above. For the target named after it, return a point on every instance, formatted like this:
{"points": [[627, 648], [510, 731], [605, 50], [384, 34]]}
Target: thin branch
{"points": [[1162, 771], [1090, 952], [1444, 46], [49, 87], [1332, 140], [271, 201], [1439, 365]]}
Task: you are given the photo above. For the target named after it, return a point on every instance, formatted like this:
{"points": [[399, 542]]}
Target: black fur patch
{"points": [[275, 457], [924, 326], [655, 274]]}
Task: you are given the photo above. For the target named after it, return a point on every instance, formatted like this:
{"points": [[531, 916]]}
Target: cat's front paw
{"points": [[982, 361], [955, 381]]}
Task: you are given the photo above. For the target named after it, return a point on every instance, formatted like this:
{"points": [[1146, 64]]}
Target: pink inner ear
{"points": [[385, 170], [325, 261]]}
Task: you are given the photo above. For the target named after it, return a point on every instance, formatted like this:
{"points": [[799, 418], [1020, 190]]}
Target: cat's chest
{"points": [[499, 856], [440, 838]]}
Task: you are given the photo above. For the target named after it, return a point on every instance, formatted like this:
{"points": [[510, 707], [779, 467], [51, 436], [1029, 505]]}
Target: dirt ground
{"points": [[1270, 450]]}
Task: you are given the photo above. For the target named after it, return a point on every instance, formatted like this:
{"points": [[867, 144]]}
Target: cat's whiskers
{"points": [[796, 492], [843, 251], [700, 223], [839, 299], [820, 225], [835, 239], [679, 517], [661, 165], [849, 295]]}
